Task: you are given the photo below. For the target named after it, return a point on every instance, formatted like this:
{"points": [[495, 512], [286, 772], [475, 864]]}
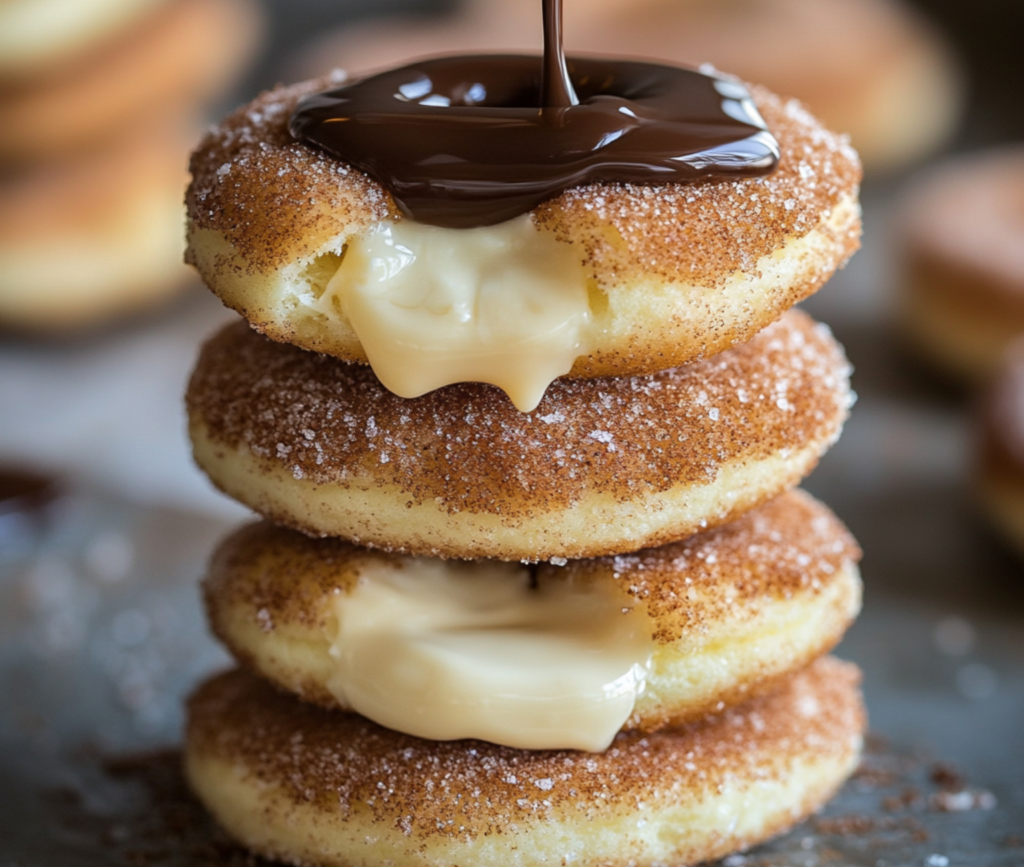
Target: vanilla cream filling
{"points": [[33, 30], [506, 305], [449, 649]]}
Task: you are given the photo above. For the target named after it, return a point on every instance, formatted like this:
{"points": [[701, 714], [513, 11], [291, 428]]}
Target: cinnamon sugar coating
{"points": [[275, 198], [465, 448], [730, 611], [788, 546], [319, 786]]}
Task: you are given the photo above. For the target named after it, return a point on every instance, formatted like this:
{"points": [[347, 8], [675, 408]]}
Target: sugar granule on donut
{"points": [[601, 467]]}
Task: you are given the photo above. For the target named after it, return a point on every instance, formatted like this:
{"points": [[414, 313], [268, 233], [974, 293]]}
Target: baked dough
{"points": [[677, 272], [308, 786], [731, 610], [602, 466]]}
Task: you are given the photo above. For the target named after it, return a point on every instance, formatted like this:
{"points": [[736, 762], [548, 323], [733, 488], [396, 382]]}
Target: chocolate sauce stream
{"points": [[556, 90], [477, 140]]}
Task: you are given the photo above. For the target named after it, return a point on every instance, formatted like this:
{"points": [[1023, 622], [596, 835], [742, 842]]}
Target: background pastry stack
{"points": [[99, 100], [651, 490]]}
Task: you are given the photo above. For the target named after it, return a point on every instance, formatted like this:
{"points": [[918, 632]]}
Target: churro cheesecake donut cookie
{"points": [[178, 55], [612, 278], [999, 467], [682, 630], [963, 293], [601, 466], [315, 787], [93, 237]]}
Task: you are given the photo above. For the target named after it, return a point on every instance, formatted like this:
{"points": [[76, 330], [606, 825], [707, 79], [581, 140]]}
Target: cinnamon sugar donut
{"points": [[181, 53], [1000, 463], [873, 69], [602, 466], [963, 298], [730, 611], [36, 34], [675, 273], [86, 239], [309, 786]]}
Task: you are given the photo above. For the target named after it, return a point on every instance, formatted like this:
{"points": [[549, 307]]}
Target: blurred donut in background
{"points": [[182, 54], [34, 34], [100, 101], [1000, 461], [962, 302], [94, 236], [869, 68]]}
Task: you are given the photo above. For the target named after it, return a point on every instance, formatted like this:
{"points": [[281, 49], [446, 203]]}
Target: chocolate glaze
{"points": [[556, 86], [479, 139]]}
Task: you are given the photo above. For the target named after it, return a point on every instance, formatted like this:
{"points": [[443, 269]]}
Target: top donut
{"points": [[666, 274]]}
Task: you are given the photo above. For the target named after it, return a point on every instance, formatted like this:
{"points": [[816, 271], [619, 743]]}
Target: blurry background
{"points": [[100, 630]]}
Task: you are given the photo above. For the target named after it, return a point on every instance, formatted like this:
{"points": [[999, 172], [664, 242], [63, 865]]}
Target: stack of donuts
{"points": [[590, 631], [99, 100]]}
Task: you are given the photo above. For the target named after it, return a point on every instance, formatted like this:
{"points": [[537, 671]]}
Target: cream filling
{"points": [[506, 305], [448, 649], [31, 30]]}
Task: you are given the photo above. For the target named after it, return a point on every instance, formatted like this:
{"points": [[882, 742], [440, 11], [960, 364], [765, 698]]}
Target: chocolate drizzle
{"points": [[556, 88], [476, 140]]}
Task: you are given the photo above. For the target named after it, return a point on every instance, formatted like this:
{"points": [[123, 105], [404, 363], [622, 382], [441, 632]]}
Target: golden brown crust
{"points": [[274, 198], [774, 589], [315, 772], [184, 52], [466, 444]]}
